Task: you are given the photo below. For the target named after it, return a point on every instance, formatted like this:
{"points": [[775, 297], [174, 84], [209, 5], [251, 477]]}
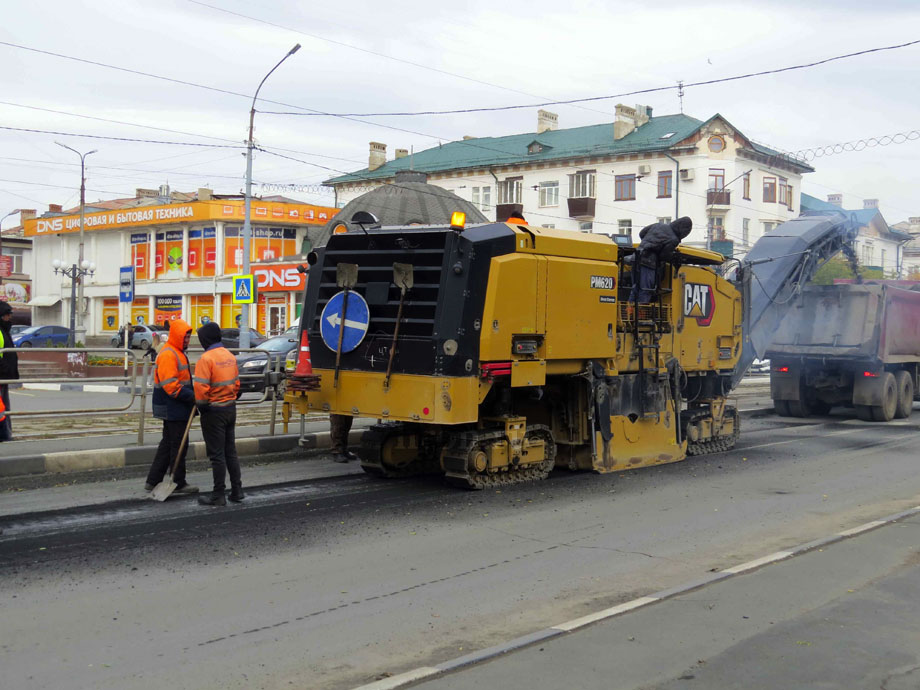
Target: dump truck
{"points": [[855, 345], [496, 352]]}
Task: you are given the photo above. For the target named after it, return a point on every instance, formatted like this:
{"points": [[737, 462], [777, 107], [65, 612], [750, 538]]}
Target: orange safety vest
{"points": [[172, 370], [217, 379], [2, 410]]}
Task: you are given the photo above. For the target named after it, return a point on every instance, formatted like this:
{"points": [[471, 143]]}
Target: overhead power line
{"points": [[589, 99], [109, 138]]}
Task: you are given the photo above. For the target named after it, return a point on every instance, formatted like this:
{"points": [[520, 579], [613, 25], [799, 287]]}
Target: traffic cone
{"points": [[303, 379]]}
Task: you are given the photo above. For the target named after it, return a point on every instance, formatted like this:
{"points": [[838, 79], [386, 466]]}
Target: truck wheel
{"points": [[886, 411], [864, 412], [904, 383], [799, 408], [781, 407]]}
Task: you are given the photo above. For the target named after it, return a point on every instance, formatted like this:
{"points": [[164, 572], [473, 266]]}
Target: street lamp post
{"points": [[75, 273], [247, 226], [80, 261]]}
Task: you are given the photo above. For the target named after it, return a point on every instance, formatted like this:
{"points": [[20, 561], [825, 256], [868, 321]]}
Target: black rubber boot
{"points": [[212, 499], [236, 494]]}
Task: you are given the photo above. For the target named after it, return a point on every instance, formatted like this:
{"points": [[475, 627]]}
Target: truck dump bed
{"points": [[876, 322]]}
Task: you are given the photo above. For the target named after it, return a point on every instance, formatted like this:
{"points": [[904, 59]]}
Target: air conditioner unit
{"points": [[645, 169], [686, 174]]}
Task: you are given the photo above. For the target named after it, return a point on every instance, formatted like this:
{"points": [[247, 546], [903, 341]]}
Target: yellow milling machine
{"points": [[494, 353]]}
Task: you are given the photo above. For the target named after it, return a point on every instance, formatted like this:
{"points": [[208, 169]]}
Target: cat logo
{"points": [[699, 303]]}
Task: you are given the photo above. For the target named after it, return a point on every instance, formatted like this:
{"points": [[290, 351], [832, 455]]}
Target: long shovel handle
{"points": [[386, 379], [188, 428], [338, 349]]}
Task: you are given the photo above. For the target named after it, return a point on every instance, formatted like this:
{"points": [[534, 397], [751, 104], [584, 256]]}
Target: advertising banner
{"points": [[140, 309], [267, 244], [167, 308], [279, 278], [202, 252], [140, 255], [16, 291], [169, 254], [110, 314]]}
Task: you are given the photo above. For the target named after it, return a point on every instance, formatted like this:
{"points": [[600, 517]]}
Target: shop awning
{"points": [[44, 301]]}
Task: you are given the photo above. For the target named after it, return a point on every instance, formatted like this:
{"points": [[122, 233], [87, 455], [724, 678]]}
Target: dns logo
{"points": [[699, 303]]}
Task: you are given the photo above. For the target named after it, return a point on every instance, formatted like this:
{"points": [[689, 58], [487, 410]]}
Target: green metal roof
{"points": [[592, 140]]}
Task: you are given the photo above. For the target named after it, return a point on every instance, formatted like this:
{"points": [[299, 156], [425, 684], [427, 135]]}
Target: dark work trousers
{"points": [[218, 426], [644, 288], [6, 433], [339, 426], [166, 454]]}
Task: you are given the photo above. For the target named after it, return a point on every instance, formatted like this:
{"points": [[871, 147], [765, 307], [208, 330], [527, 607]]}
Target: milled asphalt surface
{"points": [[325, 580]]}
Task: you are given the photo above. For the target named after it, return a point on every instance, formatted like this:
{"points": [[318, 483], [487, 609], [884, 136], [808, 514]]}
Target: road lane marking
{"points": [[861, 528]]}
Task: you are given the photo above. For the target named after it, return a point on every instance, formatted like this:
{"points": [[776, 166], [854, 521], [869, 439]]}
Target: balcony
{"points": [[581, 207], [504, 211], [719, 197]]}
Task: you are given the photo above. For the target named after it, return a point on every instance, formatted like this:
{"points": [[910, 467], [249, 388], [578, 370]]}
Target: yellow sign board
{"points": [[229, 210]]}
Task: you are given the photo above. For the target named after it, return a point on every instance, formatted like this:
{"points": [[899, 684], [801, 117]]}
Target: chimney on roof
{"points": [[628, 119], [914, 220], [835, 199], [55, 208], [870, 203], [377, 156], [546, 121], [401, 153], [27, 214], [467, 136], [204, 194], [142, 193]]}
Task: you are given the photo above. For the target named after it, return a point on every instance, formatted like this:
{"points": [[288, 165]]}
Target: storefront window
{"points": [[140, 255], [110, 314], [202, 253], [169, 257], [167, 308], [267, 244], [202, 307], [140, 310]]}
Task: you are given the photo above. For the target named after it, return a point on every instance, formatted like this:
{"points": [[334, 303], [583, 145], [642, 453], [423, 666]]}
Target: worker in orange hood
{"points": [[173, 402]]}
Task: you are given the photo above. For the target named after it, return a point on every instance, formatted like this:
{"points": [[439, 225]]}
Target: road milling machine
{"points": [[494, 353]]}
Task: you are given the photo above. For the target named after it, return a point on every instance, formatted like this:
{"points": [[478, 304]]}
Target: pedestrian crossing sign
{"points": [[242, 289]]}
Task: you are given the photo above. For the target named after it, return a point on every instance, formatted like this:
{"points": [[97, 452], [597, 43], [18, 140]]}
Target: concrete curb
{"points": [[429, 672], [114, 458]]}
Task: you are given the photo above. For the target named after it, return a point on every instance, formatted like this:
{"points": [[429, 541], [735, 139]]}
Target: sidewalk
{"points": [[841, 612]]}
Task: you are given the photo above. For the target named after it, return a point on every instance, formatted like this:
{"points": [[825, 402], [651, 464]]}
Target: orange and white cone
{"points": [[303, 378]]}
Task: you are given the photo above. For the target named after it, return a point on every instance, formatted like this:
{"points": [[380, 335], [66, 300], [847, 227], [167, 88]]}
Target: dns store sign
{"points": [[279, 278]]}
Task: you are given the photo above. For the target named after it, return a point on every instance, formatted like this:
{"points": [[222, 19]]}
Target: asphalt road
{"points": [[334, 582]]}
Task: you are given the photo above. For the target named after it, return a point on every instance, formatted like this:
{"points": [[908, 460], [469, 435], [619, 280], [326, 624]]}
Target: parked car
{"points": [[143, 337], [42, 336], [17, 329], [231, 337], [252, 365], [292, 331]]}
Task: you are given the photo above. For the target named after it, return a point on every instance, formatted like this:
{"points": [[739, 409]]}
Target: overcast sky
{"points": [[360, 57]]}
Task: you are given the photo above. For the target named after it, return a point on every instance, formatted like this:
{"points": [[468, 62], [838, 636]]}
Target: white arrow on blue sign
{"points": [[357, 319]]}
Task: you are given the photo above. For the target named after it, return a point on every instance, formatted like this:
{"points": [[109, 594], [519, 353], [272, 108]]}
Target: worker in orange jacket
{"points": [[4, 436], [217, 383], [173, 402]]}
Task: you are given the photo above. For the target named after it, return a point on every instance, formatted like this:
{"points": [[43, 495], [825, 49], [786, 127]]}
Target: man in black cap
{"points": [[9, 365], [659, 240]]}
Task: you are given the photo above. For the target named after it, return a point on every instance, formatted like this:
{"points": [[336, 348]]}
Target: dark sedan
{"points": [[253, 365], [231, 337]]}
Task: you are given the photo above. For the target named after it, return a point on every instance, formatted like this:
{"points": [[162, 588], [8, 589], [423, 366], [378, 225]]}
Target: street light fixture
{"points": [[75, 273], [82, 210], [247, 226]]}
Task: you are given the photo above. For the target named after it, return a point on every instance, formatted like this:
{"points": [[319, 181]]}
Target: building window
{"points": [[716, 179], [746, 231], [581, 185], [717, 228], [769, 189], [664, 219], [789, 196], [625, 188], [664, 183], [746, 186], [868, 254], [881, 261], [16, 254], [716, 145], [482, 198], [782, 193], [549, 193], [586, 226], [509, 191], [624, 226], [767, 227]]}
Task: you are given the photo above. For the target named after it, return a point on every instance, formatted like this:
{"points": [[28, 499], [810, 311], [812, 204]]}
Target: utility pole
{"points": [[247, 203], [80, 327]]}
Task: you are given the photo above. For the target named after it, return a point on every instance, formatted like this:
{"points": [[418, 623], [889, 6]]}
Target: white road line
{"points": [[861, 528], [757, 562], [606, 613]]}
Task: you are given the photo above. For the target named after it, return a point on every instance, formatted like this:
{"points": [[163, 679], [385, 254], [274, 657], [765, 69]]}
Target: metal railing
{"points": [[137, 377]]}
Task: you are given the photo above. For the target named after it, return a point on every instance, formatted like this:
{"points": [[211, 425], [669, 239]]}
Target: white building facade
{"points": [[614, 178]]}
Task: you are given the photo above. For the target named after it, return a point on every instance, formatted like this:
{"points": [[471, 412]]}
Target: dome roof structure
{"points": [[408, 201]]}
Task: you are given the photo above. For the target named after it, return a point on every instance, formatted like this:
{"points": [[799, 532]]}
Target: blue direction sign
{"points": [[126, 284], [356, 321]]}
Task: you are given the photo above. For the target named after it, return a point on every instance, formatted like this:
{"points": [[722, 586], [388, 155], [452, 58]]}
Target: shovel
{"points": [[403, 278], [164, 489], [346, 277]]}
